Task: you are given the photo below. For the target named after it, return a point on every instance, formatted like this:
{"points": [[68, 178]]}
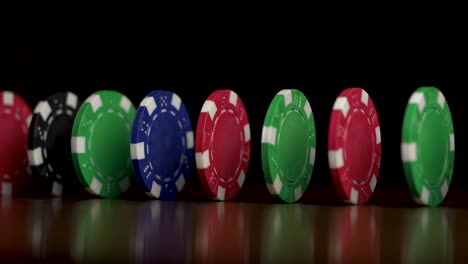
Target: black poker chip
{"points": [[49, 147]]}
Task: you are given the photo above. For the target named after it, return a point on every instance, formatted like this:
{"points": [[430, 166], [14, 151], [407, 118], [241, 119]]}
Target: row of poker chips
{"points": [[113, 143]]}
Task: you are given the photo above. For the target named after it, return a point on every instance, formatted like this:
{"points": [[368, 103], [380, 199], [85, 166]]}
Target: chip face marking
{"points": [[354, 146], [428, 146], [222, 145], [288, 145], [100, 143], [162, 145]]}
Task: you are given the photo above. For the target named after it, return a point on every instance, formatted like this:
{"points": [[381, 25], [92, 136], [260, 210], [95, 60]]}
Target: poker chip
{"points": [[15, 116], [222, 145], [49, 152], [428, 146], [162, 145], [288, 145], [354, 146], [100, 143]]}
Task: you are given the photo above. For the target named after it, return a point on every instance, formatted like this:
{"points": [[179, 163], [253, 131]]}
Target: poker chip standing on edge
{"points": [[49, 151], [162, 145], [428, 146], [100, 143], [288, 145], [222, 145], [15, 116], [354, 146]]}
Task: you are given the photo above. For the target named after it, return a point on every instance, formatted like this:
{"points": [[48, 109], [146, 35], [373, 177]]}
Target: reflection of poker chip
{"points": [[44, 227], [287, 235], [221, 235], [354, 231], [101, 233], [14, 231], [428, 237], [162, 231]]}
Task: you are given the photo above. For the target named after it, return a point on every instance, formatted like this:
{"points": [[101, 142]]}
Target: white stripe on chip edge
{"points": [[287, 93], [298, 193], [210, 108], [28, 120], [342, 104], [247, 133], [409, 152], [221, 193], [373, 183], [57, 189], [72, 100], [312, 156], [35, 157], [203, 159], [354, 196], [125, 103], [335, 158], [364, 97], [233, 98], [419, 99], [277, 185], [44, 109], [7, 189], [176, 101], [95, 101], [452, 142], [180, 183], [155, 190], [150, 104], [8, 98], [441, 99], [444, 188], [307, 109], [137, 151], [189, 136], [95, 186], [269, 135], [124, 184], [377, 135], [241, 179], [78, 145]]}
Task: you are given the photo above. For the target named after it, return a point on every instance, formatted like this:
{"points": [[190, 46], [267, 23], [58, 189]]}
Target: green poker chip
{"points": [[288, 145], [101, 143], [428, 146]]}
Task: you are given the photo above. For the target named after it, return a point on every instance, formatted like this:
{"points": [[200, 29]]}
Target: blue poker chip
{"points": [[162, 147]]}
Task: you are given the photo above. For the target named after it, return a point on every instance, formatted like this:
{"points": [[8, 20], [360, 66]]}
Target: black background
{"points": [[256, 49]]}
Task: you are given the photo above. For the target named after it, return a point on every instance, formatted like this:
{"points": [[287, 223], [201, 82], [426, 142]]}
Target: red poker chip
{"points": [[354, 148], [222, 144], [15, 116]]}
